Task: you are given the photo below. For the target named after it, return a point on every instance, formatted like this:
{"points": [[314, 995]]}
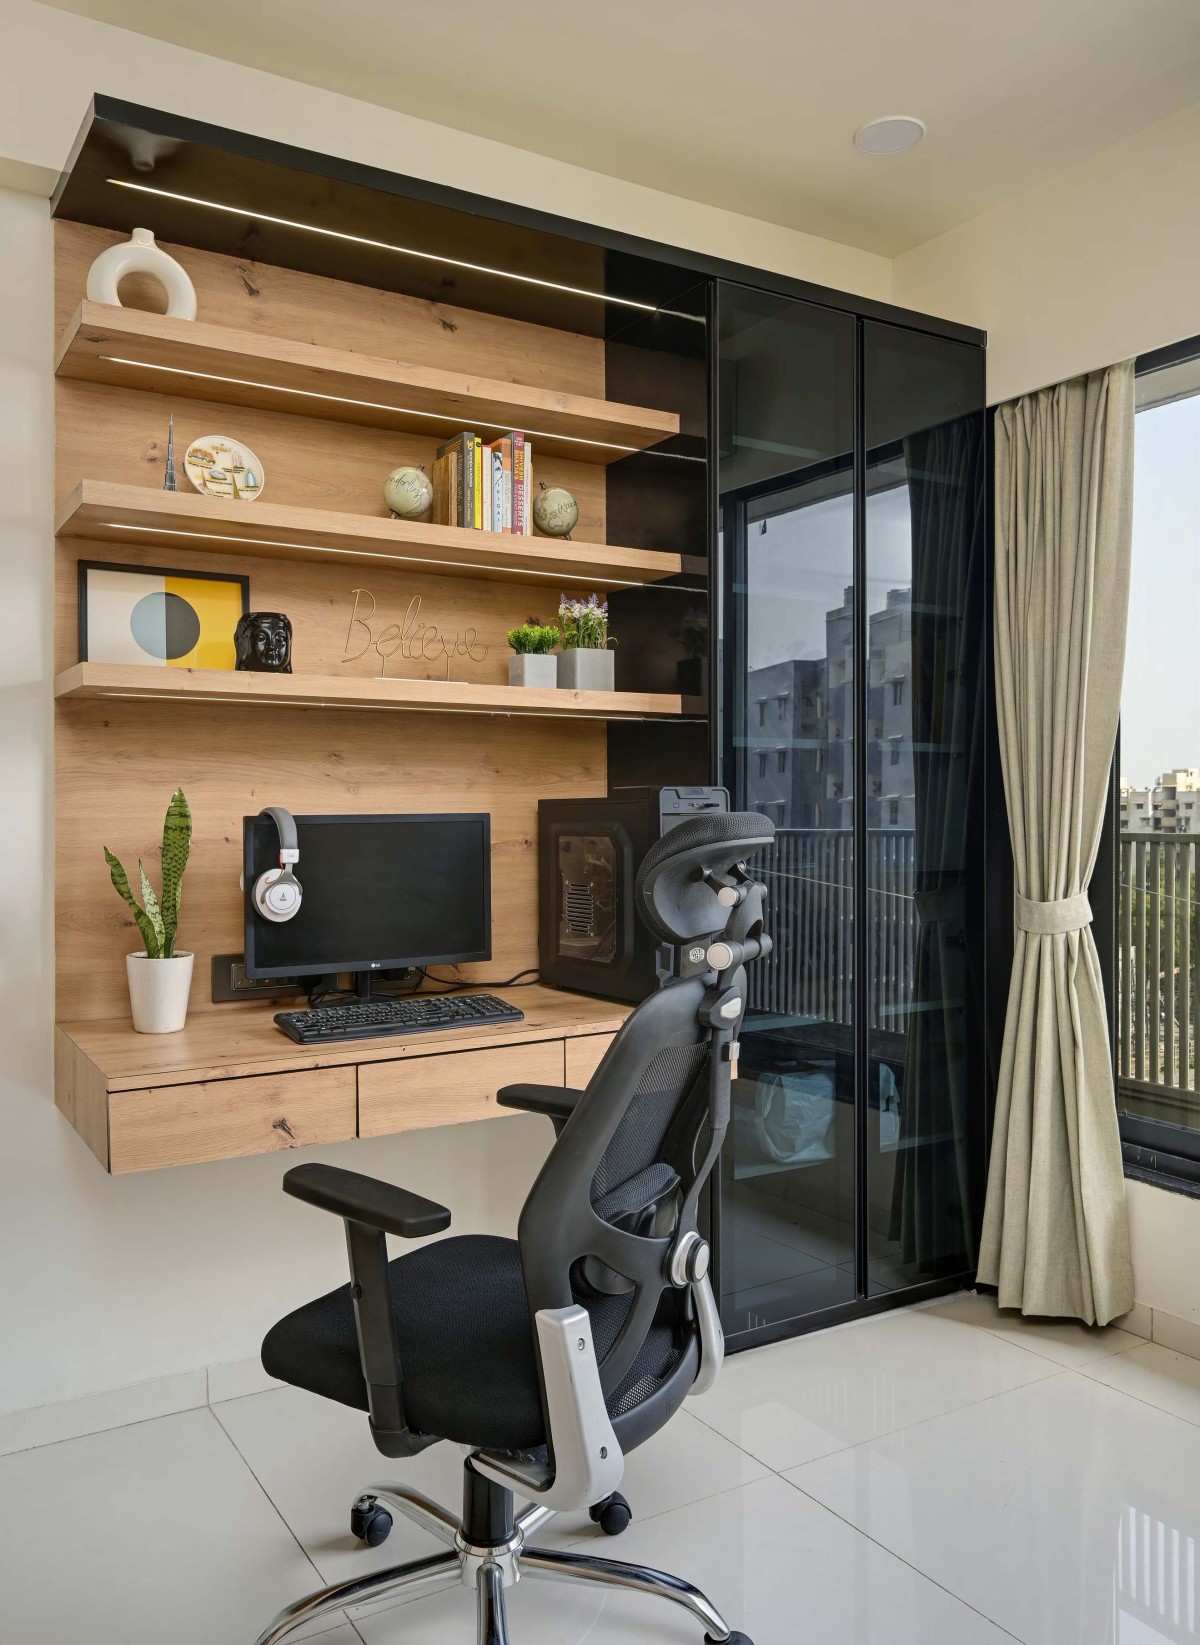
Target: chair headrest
{"points": [[671, 897]]}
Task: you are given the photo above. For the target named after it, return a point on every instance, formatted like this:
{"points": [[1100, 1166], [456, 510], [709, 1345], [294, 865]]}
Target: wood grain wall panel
{"points": [[283, 302], [109, 433], [119, 762], [320, 600]]}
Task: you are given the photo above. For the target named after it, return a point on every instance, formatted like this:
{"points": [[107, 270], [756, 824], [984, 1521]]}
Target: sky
{"points": [[1160, 703], [803, 563]]}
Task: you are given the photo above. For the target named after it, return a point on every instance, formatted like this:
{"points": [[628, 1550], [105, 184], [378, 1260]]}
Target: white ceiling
{"points": [[753, 110]]}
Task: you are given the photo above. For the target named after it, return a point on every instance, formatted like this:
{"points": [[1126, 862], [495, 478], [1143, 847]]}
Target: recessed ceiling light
{"points": [[891, 135]]}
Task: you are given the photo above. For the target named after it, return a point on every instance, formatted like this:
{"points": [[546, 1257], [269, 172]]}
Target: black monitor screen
{"points": [[379, 893]]}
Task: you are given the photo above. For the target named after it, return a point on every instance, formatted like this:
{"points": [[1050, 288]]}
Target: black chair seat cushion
{"points": [[466, 1344]]}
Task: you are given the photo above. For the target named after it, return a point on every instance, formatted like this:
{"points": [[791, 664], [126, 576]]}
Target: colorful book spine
{"points": [[475, 518], [496, 488], [463, 497], [441, 491], [504, 450], [527, 520], [518, 482]]}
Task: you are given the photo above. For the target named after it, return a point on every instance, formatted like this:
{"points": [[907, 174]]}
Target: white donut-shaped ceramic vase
{"points": [[140, 255]]}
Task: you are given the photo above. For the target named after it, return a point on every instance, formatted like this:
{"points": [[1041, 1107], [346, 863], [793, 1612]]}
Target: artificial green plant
{"points": [[532, 638], [158, 916]]}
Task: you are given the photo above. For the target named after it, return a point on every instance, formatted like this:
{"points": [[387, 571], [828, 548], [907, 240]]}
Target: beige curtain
{"points": [[1055, 1238]]}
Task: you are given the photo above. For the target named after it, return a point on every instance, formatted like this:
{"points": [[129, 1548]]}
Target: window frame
{"points": [[1153, 1151]]}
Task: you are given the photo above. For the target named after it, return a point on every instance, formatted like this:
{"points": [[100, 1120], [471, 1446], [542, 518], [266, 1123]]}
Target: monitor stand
{"points": [[366, 985]]}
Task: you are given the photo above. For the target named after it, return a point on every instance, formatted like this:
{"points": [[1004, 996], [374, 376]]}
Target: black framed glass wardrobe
{"points": [[848, 486]]}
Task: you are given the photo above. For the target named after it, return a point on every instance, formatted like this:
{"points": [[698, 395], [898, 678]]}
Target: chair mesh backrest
{"points": [[660, 1094]]}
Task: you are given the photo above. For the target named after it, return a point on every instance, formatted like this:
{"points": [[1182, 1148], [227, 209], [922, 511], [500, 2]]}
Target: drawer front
{"points": [[221, 1119], [584, 1056], [448, 1089]]}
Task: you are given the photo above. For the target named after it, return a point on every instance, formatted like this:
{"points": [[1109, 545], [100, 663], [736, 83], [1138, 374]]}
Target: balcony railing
{"points": [[1158, 976], [810, 883]]}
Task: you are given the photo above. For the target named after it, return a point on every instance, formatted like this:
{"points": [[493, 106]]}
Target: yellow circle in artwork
{"points": [[220, 467]]}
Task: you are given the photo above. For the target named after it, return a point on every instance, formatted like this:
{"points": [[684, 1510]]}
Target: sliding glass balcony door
{"points": [[850, 499], [788, 1204]]}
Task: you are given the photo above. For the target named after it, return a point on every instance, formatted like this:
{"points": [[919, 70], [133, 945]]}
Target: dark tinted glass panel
{"points": [[786, 386], [925, 724]]}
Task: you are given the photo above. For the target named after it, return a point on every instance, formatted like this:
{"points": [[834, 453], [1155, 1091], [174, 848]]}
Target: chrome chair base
{"points": [[489, 1570]]}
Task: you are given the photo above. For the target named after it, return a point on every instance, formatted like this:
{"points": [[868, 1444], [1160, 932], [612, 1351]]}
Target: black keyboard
{"points": [[415, 1014]]}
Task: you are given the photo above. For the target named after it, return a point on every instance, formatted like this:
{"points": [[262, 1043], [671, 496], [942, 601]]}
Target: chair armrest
{"points": [[362, 1199], [556, 1101]]}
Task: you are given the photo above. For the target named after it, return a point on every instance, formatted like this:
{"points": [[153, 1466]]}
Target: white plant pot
{"points": [[528, 669], [158, 992], [140, 255], [582, 669]]}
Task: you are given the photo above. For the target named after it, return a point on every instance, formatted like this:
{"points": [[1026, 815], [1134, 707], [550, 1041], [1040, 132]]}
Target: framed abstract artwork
{"points": [[165, 619]]}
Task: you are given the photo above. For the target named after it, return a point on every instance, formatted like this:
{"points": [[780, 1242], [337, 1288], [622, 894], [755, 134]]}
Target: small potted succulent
{"points": [[160, 976], [585, 663], [532, 663]]}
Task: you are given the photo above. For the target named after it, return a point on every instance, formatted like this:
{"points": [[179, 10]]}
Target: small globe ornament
{"points": [[555, 511], [408, 492]]}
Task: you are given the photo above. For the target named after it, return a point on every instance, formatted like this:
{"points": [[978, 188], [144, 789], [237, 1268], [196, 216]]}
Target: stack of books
{"points": [[486, 487]]}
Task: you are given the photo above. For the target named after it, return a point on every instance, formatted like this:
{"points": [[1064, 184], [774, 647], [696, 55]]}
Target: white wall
{"points": [[55, 61], [1164, 1231], [1095, 265]]}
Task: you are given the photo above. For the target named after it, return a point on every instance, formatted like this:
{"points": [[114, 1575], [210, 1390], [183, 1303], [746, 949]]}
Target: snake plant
{"points": [[158, 916]]}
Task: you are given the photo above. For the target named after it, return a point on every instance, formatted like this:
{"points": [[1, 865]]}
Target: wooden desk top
{"points": [[236, 1040]]}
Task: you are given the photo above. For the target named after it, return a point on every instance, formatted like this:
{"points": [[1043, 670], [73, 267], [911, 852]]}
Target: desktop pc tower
{"points": [[590, 937]]}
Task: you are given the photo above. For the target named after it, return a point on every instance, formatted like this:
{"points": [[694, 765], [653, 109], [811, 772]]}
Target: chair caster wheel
{"points": [[735, 1638], [612, 1515], [369, 1522]]}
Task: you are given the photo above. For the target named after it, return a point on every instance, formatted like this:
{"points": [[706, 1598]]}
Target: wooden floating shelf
{"points": [[99, 680], [102, 511], [132, 349]]}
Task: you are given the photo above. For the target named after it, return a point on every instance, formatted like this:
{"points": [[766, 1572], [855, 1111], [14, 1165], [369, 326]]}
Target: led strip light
{"points": [[348, 400], [356, 553], [387, 245]]}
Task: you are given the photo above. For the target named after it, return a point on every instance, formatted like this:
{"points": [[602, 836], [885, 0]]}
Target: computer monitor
{"points": [[380, 893]]}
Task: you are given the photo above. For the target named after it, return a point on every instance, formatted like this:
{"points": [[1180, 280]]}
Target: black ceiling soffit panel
{"points": [[265, 179]]}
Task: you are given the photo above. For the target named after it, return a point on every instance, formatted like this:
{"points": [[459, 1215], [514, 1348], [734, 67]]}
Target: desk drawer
{"points": [[584, 1055], [221, 1119], [448, 1089]]}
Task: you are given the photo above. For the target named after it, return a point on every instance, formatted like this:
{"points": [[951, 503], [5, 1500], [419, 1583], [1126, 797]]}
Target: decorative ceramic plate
{"points": [[220, 467]]}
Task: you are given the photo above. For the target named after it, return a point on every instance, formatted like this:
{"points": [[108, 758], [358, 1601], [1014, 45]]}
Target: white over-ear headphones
{"points": [[277, 893]]}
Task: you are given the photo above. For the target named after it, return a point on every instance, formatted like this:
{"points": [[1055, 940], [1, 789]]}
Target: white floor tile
{"points": [[1155, 1374], [150, 1532], [1065, 1341], [1065, 1511], [796, 1400], [776, 1565], [93, 1413], [313, 1457]]}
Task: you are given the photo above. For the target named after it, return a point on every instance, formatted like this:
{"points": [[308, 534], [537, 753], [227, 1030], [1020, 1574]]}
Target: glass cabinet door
{"points": [[785, 498], [926, 652]]}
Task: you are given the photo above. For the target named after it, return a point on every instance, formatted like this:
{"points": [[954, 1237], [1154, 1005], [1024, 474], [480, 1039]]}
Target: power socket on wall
{"points": [[230, 982]]}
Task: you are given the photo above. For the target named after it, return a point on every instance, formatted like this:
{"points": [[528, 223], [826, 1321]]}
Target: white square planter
{"points": [[527, 669], [580, 669]]}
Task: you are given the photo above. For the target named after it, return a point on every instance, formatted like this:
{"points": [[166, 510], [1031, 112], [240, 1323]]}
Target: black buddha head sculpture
{"points": [[263, 643]]}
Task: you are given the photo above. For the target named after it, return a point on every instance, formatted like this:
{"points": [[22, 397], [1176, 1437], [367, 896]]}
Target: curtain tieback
{"points": [[1052, 919]]}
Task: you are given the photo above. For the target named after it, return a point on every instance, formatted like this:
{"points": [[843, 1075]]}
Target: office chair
{"points": [[548, 1357]]}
